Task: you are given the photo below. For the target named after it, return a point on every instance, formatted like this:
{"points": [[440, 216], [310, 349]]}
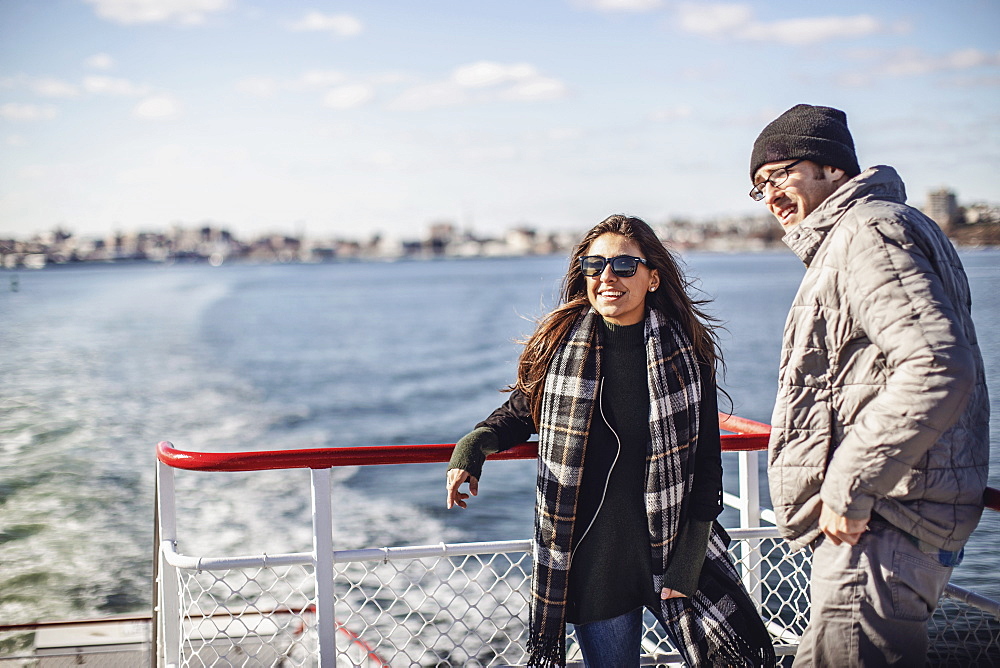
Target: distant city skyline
{"points": [[974, 224], [351, 119], [941, 204]]}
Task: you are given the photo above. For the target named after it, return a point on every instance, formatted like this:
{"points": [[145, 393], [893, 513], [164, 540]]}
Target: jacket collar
{"points": [[880, 182]]}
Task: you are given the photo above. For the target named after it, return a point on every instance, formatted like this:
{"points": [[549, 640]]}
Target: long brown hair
{"points": [[671, 299]]}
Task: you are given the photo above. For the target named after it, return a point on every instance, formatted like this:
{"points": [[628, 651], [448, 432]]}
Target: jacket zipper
{"points": [[604, 493]]}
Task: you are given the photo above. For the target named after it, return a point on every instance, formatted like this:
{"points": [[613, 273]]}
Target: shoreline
{"points": [[14, 262]]}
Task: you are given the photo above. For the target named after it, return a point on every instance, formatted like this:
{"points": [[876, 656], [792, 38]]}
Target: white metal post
{"points": [[168, 596], [750, 518], [326, 624]]}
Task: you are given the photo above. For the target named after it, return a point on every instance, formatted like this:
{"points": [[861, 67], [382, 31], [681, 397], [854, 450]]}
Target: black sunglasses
{"points": [[623, 265]]}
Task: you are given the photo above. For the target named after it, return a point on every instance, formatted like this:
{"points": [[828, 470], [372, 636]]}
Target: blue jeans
{"points": [[611, 643]]}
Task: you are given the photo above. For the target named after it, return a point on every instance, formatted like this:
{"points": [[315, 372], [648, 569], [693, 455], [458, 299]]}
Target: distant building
{"points": [[441, 234], [521, 240], [942, 208], [981, 213]]}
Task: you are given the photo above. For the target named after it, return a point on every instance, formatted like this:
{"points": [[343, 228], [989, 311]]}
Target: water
{"points": [[98, 364]]}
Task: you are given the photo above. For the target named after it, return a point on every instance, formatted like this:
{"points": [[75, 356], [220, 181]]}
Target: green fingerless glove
{"points": [[471, 450]]}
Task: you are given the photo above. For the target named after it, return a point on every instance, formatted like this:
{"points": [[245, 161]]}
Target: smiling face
{"points": [[620, 300], [807, 186]]}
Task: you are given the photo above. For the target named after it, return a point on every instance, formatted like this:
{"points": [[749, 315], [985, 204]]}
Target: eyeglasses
{"points": [[623, 265], [775, 178]]}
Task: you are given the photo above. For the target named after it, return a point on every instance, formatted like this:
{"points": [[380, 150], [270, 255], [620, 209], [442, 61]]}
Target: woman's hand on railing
{"points": [[455, 479]]}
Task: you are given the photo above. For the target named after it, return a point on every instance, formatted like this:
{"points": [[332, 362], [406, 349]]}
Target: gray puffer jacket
{"points": [[882, 403]]}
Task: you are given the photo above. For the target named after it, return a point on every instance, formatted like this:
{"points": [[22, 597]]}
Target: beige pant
{"points": [[870, 602]]}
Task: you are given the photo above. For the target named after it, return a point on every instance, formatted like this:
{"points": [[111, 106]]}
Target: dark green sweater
{"points": [[611, 572], [612, 565]]}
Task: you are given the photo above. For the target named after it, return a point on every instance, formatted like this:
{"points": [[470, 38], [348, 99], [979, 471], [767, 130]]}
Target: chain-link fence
{"points": [[468, 607], [256, 616], [445, 605]]}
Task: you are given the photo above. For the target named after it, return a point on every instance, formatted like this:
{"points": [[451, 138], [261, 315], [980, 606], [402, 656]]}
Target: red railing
{"points": [[747, 435]]}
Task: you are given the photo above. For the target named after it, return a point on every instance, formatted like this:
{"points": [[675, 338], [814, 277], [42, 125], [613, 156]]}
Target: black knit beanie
{"points": [[813, 133]]}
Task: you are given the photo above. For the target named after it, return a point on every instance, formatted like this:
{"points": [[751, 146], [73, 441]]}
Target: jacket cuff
{"points": [[471, 450], [854, 507], [685, 565]]}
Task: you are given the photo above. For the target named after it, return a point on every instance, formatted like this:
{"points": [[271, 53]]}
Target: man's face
{"points": [[807, 186]]}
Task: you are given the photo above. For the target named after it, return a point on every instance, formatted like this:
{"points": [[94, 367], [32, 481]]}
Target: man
{"points": [[879, 446]]}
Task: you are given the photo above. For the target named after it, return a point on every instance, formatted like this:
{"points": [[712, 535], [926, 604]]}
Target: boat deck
{"points": [[432, 605]]}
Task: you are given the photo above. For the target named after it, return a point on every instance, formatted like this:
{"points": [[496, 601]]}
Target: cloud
{"points": [[54, 88], [914, 62], [713, 19], [430, 95], [309, 80], [100, 61], [619, 5], [564, 134], [13, 111], [157, 108], [102, 85], [484, 73], [348, 97], [736, 21], [43, 86], [673, 114], [392, 78], [97, 84], [382, 159], [798, 32], [980, 82], [188, 12], [321, 79], [341, 25], [536, 89], [258, 86], [480, 82], [518, 81]]}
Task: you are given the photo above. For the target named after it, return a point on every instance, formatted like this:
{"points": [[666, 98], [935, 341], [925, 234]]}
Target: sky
{"points": [[349, 119]]}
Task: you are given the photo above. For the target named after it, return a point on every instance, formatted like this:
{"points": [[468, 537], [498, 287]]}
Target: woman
{"points": [[619, 383]]}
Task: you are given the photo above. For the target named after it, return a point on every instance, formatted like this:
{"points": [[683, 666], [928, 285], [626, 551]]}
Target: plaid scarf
{"points": [[706, 627]]}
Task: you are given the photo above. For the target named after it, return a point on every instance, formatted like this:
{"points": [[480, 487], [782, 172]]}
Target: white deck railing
{"points": [[459, 604]]}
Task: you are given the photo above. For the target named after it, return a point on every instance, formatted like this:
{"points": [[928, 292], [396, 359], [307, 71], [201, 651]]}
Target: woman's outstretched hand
{"points": [[667, 592], [455, 479]]}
